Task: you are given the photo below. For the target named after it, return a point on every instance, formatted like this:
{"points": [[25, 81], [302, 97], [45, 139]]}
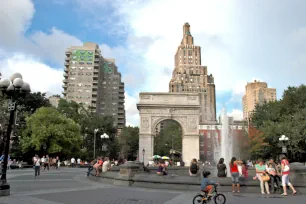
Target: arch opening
{"points": [[168, 139]]}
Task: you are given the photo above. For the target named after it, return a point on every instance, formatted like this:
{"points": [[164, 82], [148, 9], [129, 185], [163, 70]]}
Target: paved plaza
{"points": [[70, 186]]}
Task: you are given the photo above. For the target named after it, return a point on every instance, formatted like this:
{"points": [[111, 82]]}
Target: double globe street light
{"points": [[283, 139], [12, 89]]}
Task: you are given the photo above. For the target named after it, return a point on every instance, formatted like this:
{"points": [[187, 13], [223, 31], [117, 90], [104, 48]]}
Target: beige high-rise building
{"points": [[95, 82], [190, 76], [256, 92], [81, 74]]}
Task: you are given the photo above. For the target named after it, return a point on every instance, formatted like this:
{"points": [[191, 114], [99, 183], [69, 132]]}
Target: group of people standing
{"points": [[265, 173], [46, 162]]}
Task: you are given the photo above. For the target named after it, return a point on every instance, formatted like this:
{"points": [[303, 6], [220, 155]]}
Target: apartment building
{"points": [[94, 82], [256, 92]]}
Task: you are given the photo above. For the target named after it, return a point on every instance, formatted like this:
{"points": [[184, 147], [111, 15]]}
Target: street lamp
{"points": [[104, 136], [143, 153], [12, 89], [283, 139], [95, 133]]}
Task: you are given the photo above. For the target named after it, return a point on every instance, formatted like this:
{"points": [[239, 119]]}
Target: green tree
{"points": [[170, 135], [282, 117], [50, 128], [129, 142]]}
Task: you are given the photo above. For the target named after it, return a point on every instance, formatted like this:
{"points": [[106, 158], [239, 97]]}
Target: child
{"points": [[206, 184], [271, 170]]}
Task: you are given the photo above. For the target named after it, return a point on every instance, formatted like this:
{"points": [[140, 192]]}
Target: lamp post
{"points": [[283, 139], [12, 88], [104, 136], [95, 133], [143, 153]]}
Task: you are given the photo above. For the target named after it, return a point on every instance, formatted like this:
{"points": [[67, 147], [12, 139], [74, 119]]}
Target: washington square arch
{"points": [[184, 108]]}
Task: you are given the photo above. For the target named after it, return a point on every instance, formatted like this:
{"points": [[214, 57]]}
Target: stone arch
{"points": [[161, 119], [183, 108]]}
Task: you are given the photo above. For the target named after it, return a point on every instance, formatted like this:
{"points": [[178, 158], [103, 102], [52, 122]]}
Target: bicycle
{"points": [[217, 197]]}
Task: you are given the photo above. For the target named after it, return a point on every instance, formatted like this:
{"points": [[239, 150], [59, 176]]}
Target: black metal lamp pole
{"points": [[12, 88], [143, 153]]}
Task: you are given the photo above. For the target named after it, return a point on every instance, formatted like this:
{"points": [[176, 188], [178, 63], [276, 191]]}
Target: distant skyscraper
{"points": [[111, 92], [256, 93], [190, 76], [54, 100], [94, 81]]}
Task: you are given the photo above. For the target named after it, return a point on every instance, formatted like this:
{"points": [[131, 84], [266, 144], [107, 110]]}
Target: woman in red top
{"points": [[285, 175], [235, 174]]}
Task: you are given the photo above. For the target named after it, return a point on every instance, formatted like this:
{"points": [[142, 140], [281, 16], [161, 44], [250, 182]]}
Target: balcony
{"points": [[65, 81], [96, 64], [121, 121], [94, 93], [121, 91], [66, 64], [66, 70], [120, 101], [68, 53], [65, 75], [97, 59], [64, 86], [95, 81], [121, 111], [64, 92], [97, 54], [67, 59], [94, 99], [96, 71], [121, 116]]}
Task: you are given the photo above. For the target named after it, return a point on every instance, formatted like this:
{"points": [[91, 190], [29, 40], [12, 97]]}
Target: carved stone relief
{"points": [[145, 97], [193, 124], [169, 111], [145, 124], [192, 98]]}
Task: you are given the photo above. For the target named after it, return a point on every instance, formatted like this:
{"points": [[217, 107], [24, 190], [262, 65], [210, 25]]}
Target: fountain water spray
{"points": [[226, 140]]}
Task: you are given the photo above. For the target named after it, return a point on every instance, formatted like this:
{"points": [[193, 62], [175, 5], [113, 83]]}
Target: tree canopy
{"points": [[170, 134], [50, 128], [129, 142], [283, 117]]}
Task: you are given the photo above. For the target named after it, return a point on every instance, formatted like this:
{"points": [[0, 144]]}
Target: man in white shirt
{"points": [[36, 161], [79, 162], [72, 162]]}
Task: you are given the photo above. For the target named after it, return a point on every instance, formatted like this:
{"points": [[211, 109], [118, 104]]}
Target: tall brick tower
{"points": [[190, 76]]}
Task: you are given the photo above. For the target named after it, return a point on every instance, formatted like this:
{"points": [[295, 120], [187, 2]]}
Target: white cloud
{"points": [[131, 109], [40, 76], [52, 46], [237, 114], [15, 17]]}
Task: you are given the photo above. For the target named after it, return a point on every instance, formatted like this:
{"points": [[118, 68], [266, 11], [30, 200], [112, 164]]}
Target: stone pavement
{"points": [[70, 186]]}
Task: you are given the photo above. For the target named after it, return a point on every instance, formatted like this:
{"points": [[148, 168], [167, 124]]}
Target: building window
{"points": [[81, 62], [90, 52]]}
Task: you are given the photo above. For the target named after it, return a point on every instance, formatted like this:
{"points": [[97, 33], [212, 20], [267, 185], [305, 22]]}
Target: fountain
{"points": [[226, 146]]}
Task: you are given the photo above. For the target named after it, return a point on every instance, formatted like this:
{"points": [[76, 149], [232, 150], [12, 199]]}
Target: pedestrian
{"points": [[57, 162], [285, 175], [235, 174], [79, 162], [262, 175], [221, 167], [72, 162], [46, 164], [273, 173], [36, 161]]}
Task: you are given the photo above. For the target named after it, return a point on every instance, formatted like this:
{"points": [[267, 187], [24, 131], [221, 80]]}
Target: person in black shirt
{"points": [[222, 171], [194, 168]]}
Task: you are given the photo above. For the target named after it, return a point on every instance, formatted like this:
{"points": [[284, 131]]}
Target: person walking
{"points": [[36, 161], [285, 175], [221, 167], [260, 172], [235, 174], [72, 162]]}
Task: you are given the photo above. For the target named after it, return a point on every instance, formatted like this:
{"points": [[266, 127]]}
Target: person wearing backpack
{"points": [[194, 168], [285, 175]]}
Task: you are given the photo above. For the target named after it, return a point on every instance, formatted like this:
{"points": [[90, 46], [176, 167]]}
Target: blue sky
{"points": [[241, 41]]}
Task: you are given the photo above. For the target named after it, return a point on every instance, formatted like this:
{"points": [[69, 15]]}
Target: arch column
{"points": [[146, 142], [191, 148]]}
